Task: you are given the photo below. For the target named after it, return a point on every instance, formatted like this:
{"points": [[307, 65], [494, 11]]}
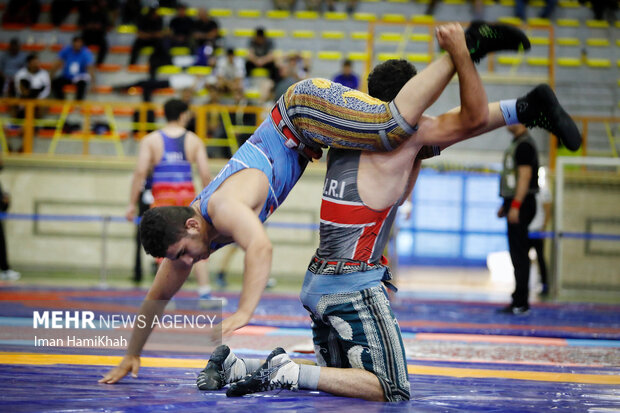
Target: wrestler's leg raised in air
{"points": [[327, 114]]}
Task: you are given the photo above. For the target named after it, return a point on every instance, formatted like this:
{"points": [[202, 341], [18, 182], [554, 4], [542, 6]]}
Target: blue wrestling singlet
{"points": [[260, 152]]}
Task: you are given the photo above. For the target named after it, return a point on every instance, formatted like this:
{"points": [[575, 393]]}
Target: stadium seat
{"points": [[539, 41], [68, 27], [538, 21], [249, 14], [569, 61], [108, 68], [420, 37], [357, 56], [567, 22], [598, 42], [259, 72], [359, 35], [329, 55], [169, 70], [419, 57], [537, 61], [393, 17], [306, 15], [568, 41], [138, 68], [598, 63], [42, 27], [243, 32], [391, 37], [382, 57], [510, 20], [120, 49], [127, 29], [278, 14], [275, 33], [199, 70], [303, 34], [166, 11], [422, 18], [335, 16], [57, 47], [509, 60], [33, 47], [365, 17], [597, 24], [180, 51], [220, 13], [332, 35]]}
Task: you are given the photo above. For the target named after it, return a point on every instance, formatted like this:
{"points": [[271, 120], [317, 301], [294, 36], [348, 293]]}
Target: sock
{"points": [[309, 376], [251, 365], [509, 111], [239, 367], [204, 290]]}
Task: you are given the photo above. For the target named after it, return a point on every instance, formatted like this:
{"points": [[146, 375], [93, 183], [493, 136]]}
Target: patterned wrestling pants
{"points": [[359, 330]]}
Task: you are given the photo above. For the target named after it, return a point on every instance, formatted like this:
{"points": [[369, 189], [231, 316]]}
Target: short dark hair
{"points": [[260, 32], [163, 226], [347, 62], [174, 108], [31, 57], [387, 78]]}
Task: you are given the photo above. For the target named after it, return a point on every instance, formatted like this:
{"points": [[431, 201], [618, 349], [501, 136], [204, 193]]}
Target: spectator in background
{"points": [[144, 203], [182, 27], [229, 73], [293, 70], [284, 4], [10, 62], [22, 12], [150, 33], [131, 12], [60, 9], [32, 82], [206, 29], [603, 7], [477, 8], [260, 55], [347, 77], [518, 187], [77, 64], [545, 13], [94, 23]]}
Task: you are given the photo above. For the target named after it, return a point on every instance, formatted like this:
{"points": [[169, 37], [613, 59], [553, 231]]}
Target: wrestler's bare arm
{"points": [[198, 154], [235, 218], [170, 277], [143, 165]]}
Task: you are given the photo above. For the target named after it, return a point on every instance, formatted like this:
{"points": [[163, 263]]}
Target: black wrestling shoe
{"points": [[514, 310], [215, 375], [277, 372], [483, 38], [540, 108]]}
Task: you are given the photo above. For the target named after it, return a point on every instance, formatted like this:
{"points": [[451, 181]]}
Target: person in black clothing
{"points": [[260, 54], [182, 27], [150, 33], [22, 11], [60, 9], [518, 188], [205, 29], [130, 13], [95, 23], [144, 203]]}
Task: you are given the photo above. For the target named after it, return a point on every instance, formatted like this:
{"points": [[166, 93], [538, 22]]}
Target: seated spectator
{"points": [[294, 69], [60, 9], [95, 23], [181, 27], [22, 12], [260, 55], [77, 64], [150, 33], [347, 77], [131, 12], [601, 8], [229, 75], [112, 8], [32, 82], [284, 4], [206, 29], [10, 62], [545, 12], [171, 4]]}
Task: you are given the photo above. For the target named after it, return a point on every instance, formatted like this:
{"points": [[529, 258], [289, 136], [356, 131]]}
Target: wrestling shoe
{"points": [[483, 38], [514, 310], [540, 108], [277, 372], [224, 367]]}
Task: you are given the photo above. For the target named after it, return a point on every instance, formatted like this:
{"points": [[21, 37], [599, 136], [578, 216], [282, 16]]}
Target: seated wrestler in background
{"points": [[357, 341]]}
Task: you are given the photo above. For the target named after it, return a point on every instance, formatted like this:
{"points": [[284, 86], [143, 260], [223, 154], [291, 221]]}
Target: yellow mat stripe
{"points": [[49, 359], [515, 374]]}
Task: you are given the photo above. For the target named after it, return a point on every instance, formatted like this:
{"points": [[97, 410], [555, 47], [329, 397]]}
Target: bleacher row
{"points": [[586, 52]]}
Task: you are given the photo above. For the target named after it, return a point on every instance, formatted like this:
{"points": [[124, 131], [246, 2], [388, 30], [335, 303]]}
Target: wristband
{"points": [[515, 204]]}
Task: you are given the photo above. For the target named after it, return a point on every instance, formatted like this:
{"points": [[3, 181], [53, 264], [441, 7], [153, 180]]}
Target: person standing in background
{"points": [[518, 187], [169, 153], [6, 273], [538, 224], [346, 77]]}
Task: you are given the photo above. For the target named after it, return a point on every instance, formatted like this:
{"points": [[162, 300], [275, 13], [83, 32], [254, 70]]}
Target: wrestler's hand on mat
{"points": [[513, 215], [130, 213], [451, 37], [129, 363], [234, 322]]}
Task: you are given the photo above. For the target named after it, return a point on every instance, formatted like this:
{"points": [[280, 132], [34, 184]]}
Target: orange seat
{"points": [[57, 47], [57, 109], [93, 48], [123, 111], [42, 27], [108, 68], [68, 27], [13, 132], [94, 110], [120, 49], [34, 47], [46, 133], [103, 89], [13, 26], [4, 46], [46, 65], [165, 92], [4, 108], [137, 68]]}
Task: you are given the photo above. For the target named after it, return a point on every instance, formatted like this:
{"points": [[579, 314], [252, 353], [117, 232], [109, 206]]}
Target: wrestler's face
{"points": [[192, 247]]}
